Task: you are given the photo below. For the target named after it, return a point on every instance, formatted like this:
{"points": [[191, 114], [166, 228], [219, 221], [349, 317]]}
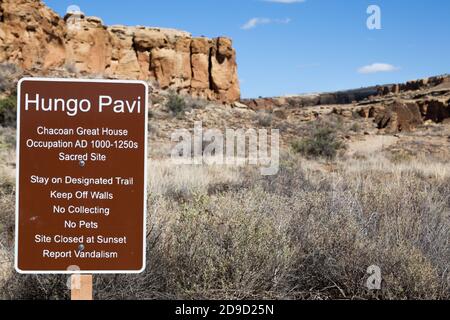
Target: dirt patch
{"points": [[370, 144]]}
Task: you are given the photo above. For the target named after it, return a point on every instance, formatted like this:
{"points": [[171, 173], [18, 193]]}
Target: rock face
{"points": [[399, 116], [436, 110], [31, 35], [363, 95], [415, 85], [393, 108], [38, 40], [309, 100]]}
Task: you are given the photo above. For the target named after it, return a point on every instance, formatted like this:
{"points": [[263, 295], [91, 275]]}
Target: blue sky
{"points": [[303, 46]]}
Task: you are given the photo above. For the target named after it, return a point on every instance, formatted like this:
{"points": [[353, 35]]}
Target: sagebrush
{"points": [[321, 143], [300, 234]]}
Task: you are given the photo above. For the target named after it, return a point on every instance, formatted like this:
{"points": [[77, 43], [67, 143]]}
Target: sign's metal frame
{"points": [[16, 260]]}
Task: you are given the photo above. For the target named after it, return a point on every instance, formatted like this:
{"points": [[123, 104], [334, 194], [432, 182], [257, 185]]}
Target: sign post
{"points": [[81, 178], [81, 287]]}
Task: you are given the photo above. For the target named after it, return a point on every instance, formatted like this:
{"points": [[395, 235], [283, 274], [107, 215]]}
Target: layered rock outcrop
{"points": [[415, 85], [399, 116], [392, 109], [362, 95], [38, 40], [310, 100]]}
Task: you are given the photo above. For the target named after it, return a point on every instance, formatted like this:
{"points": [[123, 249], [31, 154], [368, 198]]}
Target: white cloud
{"points": [[254, 22], [285, 1], [377, 67]]}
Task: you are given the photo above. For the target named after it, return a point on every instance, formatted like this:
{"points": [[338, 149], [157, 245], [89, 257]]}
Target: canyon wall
{"points": [[39, 41], [436, 84]]}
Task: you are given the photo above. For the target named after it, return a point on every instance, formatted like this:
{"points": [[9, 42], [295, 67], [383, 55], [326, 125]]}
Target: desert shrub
{"points": [[401, 156], [313, 242], [7, 205], [334, 122], [156, 99], [344, 232], [176, 103], [232, 245], [304, 234], [8, 108], [9, 73], [346, 222], [36, 287], [289, 180], [264, 119], [7, 140], [195, 103], [322, 143], [355, 127], [228, 243], [7, 189]]}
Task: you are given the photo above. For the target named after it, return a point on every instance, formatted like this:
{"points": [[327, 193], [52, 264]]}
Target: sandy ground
{"points": [[371, 144]]}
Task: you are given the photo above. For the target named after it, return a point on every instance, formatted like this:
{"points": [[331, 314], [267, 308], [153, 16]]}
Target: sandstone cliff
{"points": [[431, 85], [392, 108], [38, 40]]}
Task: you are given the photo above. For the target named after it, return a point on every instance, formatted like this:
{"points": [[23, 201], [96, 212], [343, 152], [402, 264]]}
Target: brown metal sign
{"points": [[81, 176]]}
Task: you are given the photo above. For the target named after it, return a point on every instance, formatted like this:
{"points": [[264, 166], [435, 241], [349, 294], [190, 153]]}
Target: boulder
{"points": [[239, 105], [436, 110], [399, 116]]}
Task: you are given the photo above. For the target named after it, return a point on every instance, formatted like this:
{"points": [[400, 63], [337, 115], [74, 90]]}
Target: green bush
{"points": [[8, 107], [322, 143], [176, 104], [355, 127]]}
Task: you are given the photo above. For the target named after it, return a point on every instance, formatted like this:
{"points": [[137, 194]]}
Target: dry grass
{"points": [[182, 182], [7, 205], [308, 233], [380, 165]]}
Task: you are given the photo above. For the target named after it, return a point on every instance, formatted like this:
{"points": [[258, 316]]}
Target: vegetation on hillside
{"points": [[218, 233], [8, 109], [322, 142]]}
